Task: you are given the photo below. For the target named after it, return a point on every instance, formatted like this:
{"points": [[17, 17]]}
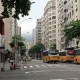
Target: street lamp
{"points": [[19, 41], [24, 20], [32, 2]]}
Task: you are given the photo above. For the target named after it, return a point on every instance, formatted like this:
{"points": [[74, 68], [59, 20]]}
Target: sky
{"points": [[36, 12]]}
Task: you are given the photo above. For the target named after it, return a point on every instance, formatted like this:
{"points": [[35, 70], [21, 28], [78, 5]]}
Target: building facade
{"points": [[71, 13], [38, 31], [10, 27], [60, 24], [49, 24], [34, 36]]}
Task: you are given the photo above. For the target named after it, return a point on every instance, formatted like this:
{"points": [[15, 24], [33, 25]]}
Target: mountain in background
{"points": [[27, 36]]}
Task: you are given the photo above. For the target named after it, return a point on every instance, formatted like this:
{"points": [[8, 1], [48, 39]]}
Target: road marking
{"points": [[57, 79], [27, 72], [49, 65], [37, 66], [57, 65], [73, 78], [33, 72], [43, 65], [66, 70], [25, 66], [31, 66]]}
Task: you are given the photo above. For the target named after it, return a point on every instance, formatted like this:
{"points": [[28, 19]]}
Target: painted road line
{"points": [[31, 66], [43, 65], [27, 72], [49, 65], [25, 66], [57, 79], [73, 78], [37, 66]]}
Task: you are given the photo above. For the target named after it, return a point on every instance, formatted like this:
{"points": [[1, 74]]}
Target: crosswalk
{"points": [[37, 66], [48, 66], [41, 66]]}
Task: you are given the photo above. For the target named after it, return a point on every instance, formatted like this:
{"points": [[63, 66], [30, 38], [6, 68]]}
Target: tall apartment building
{"points": [[60, 24], [67, 11], [57, 14], [72, 12], [38, 31], [48, 27], [34, 36]]}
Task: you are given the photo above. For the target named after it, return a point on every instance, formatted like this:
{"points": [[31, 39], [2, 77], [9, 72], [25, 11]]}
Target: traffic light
{"points": [[1, 27]]}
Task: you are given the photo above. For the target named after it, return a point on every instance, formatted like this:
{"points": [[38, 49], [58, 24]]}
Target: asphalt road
{"points": [[37, 70]]}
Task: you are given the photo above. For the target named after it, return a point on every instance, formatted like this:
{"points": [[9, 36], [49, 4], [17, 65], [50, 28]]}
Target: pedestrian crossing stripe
{"points": [[37, 66], [57, 79], [25, 66], [31, 66], [43, 65]]}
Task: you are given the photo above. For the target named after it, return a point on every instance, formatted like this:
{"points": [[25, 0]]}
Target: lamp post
{"points": [[27, 32], [24, 20], [15, 35]]}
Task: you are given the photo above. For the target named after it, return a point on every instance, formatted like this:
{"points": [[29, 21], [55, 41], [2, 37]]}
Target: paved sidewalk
{"points": [[6, 65], [20, 65]]}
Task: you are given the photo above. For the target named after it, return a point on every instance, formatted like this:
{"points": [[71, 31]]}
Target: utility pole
{"points": [[15, 47]]}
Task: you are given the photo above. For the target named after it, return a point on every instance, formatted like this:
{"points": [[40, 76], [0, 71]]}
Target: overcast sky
{"points": [[36, 12]]}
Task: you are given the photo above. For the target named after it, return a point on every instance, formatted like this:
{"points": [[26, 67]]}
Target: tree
{"points": [[20, 44], [73, 31], [53, 46], [20, 7], [37, 49]]}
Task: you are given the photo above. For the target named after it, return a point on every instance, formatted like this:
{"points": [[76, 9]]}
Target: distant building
{"points": [[38, 31], [48, 26], [34, 36]]}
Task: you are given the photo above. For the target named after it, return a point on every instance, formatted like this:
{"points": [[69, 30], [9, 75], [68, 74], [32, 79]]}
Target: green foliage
{"points": [[53, 46], [36, 49], [20, 7], [18, 40], [72, 31], [12, 44], [23, 50]]}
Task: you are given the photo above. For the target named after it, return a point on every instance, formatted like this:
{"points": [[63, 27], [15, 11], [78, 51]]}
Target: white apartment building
{"points": [[48, 27], [67, 11], [72, 12], [34, 36], [57, 14], [38, 31], [60, 24]]}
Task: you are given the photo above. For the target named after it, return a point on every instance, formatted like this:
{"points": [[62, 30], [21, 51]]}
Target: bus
{"points": [[50, 56], [62, 54], [67, 55], [77, 56]]}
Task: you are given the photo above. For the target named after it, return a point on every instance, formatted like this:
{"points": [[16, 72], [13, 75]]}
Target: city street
{"points": [[37, 70]]}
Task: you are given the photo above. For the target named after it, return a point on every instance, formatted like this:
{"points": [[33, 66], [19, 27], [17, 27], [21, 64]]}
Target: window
{"points": [[76, 9], [65, 2], [72, 12], [53, 17], [65, 10], [75, 0]]}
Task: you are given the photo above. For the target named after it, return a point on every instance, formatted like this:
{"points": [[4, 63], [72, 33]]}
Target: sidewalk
{"points": [[6, 66], [20, 65]]}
